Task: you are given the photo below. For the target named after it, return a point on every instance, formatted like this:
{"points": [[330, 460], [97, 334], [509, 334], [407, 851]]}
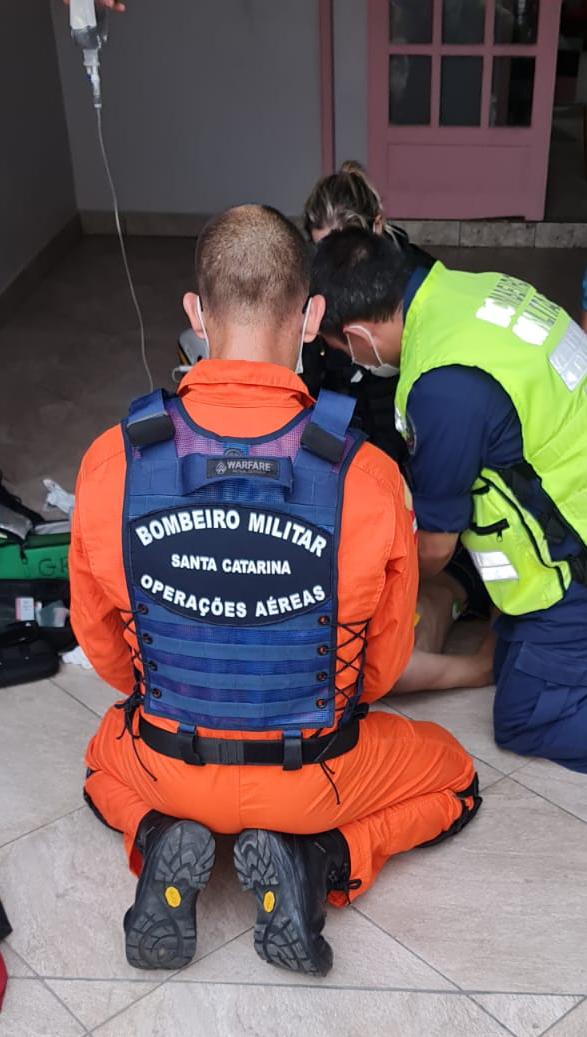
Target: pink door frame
{"points": [[461, 172], [326, 31]]}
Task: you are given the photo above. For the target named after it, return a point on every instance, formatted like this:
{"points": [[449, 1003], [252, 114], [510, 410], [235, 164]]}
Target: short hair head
{"points": [[251, 260], [362, 276]]}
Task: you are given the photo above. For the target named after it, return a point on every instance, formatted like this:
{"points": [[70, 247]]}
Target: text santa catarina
{"points": [[231, 564]]}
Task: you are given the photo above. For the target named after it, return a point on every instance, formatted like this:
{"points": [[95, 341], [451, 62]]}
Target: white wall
{"points": [[207, 103], [36, 187], [350, 80]]}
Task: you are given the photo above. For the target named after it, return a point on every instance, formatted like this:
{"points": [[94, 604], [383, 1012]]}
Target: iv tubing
{"points": [[123, 249]]}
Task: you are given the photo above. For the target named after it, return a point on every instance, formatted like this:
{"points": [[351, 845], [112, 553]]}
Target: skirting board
{"points": [[145, 224], [463, 233]]}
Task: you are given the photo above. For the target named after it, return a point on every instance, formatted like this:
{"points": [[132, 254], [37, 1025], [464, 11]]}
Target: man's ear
{"points": [[190, 305], [317, 307], [359, 337]]}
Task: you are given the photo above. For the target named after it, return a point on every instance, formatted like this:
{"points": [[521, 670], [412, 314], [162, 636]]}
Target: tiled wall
{"points": [[494, 233], [466, 233]]}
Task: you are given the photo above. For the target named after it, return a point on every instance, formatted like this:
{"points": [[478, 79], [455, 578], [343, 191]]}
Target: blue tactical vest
{"points": [[231, 553]]}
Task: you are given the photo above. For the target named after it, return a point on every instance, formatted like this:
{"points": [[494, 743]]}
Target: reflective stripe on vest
{"points": [[231, 551], [493, 565], [569, 357]]}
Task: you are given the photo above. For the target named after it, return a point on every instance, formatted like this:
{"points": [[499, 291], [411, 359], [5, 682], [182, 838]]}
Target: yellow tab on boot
{"points": [[173, 896], [269, 901]]}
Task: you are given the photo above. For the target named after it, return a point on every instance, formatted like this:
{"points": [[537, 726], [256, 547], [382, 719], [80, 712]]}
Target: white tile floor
{"points": [[484, 935]]}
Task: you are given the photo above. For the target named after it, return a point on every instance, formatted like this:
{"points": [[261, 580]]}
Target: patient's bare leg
{"points": [[432, 671], [439, 603]]}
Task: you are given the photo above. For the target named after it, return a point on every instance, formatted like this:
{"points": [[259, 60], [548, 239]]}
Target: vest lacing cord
{"points": [[355, 665], [130, 624], [133, 701], [129, 707]]}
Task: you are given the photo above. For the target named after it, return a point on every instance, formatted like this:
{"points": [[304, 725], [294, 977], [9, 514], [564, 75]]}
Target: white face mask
{"points": [[201, 316], [300, 361], [380, 369]]}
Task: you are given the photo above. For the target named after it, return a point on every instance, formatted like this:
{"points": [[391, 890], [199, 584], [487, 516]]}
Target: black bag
{"points": [[5, 926], [33, 564], [5, 930], [25, 656], [45, 591]]}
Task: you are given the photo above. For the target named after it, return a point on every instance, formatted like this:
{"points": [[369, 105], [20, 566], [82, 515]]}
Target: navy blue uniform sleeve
{"points": [[460, 420]]}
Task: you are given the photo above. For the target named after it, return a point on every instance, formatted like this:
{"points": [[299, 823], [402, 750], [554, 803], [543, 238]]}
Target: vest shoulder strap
{"points": [[148, 421], [325, 433]]}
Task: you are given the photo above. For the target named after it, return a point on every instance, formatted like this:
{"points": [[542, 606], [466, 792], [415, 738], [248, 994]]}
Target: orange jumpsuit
{"points": [[398, 787]]}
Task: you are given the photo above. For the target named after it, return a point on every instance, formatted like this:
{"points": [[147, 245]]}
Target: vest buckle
{"points": [[323, 443], [155, 428], [230, 751], [292, 750], [188, 746]]}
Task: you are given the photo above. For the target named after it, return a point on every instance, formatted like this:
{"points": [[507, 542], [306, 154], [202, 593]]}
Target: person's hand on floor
{"points": [[112, 5]]}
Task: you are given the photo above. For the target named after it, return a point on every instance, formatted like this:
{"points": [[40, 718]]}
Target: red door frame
{"points": [[535, 139]]}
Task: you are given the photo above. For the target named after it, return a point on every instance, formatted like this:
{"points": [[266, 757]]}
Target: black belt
{"points": [[290, 752]]}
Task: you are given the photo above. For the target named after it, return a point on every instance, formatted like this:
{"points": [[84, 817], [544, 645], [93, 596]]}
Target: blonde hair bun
{"points": [[351, 166], [343, 199], [368, 193]]}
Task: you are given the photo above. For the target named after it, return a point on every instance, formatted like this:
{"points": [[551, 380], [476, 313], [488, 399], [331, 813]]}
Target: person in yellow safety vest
{"points": [[492, 404], [348, 198]]}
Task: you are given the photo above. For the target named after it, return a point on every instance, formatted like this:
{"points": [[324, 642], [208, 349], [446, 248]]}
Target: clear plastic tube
{"points": [[131, 286]]}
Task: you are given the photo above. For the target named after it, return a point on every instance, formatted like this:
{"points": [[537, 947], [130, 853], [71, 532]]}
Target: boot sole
{"points": [[266, 867], [161, 926]]}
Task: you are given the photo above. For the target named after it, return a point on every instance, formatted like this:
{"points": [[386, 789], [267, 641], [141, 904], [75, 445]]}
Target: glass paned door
{"points": [[516, 21], [409, 89], [463, 21], [461, 81], [460, 103]]}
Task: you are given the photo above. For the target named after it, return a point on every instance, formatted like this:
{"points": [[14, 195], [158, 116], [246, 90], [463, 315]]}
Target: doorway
{"points": [[460, 105], [566, 196]]}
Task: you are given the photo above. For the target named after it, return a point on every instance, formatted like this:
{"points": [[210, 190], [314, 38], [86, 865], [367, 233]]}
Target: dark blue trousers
{"points": [[540, 706]]}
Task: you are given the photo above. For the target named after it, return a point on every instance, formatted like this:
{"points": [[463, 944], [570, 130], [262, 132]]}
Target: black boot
{"points": [[178, 857], [467, 813], [291, 876]]}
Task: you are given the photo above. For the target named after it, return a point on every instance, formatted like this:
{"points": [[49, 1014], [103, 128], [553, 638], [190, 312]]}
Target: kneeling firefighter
{"points": [[492, 403], [260, 596]]}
